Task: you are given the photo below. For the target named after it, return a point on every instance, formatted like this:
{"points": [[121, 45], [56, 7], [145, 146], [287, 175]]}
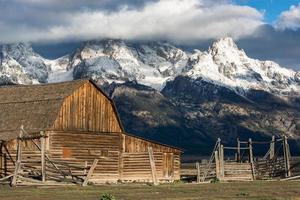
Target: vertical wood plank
{"points": [[152, 164], [238, 150], [43, 164], [286, 157], [198, 172], [217, 164], [221, 160], [251, 159], [272, 147], [90, 173], [19, 158]]}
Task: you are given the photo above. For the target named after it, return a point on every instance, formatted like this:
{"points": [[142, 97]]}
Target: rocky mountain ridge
{"points": [[151, 64], [177, 97]]}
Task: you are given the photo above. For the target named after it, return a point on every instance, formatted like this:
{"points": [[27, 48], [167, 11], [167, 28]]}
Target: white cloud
{"points": [[176, 20], [289, 19]]}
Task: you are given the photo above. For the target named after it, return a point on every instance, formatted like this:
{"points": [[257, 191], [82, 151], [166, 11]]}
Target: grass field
{"points": [[246, 190]]}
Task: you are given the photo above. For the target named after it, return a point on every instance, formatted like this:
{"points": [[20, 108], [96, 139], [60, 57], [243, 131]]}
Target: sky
{"points": [[265, 29]]}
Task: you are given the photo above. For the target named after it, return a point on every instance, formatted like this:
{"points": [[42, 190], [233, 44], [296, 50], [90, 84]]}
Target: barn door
{"points": [[168, 165]]}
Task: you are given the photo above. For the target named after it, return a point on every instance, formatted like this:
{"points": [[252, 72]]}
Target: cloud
{"points": [[268, 43], [183, 21], [289, 19]]}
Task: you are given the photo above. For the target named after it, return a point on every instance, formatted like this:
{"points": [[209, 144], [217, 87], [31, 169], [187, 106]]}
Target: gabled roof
{"points": [[33, 106]]}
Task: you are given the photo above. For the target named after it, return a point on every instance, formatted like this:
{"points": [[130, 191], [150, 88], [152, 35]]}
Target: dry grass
{"points": [[246, 190]]}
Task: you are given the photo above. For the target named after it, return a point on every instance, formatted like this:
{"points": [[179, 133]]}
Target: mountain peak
{"points": [[225, 42]]}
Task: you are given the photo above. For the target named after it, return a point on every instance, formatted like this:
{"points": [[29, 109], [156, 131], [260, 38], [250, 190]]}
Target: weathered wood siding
{"points": [[76, 148], [87, 109], [136, 162], [31, 156]]}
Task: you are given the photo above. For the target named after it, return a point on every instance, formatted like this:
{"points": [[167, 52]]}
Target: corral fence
{"points": [[277, 163]]}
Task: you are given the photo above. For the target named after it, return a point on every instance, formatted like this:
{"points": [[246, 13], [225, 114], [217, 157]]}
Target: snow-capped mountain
{"points": [[226, 65], [161, 90], [19, 64], [109, 61], [148, 63], [155, 63]]}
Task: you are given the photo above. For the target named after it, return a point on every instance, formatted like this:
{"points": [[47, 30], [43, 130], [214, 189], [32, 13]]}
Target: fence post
{"points": [[221, 158], [238, 159], [43, 164], [272, 148], [198, 172], [286, 157], [251, 160], [217, 164], [19, 158]]}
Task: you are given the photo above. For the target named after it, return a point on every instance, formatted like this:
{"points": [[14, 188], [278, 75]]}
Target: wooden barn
{"points": [[71, 132]]}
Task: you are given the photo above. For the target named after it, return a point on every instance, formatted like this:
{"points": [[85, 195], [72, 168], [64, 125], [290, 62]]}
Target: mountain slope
{"points": [[224, 64], [176, 97], [106, 61], [19, 64]]}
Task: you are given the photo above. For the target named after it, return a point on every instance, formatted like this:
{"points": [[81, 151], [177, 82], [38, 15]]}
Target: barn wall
{"points": [[31, 156], [136, 162], [114, 162], [76, 148], [121, 157], [87, 109], [133, 144]]}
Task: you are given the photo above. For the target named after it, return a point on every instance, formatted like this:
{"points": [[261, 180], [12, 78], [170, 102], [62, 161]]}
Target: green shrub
{"points": [[107, 197], [215, 180]]}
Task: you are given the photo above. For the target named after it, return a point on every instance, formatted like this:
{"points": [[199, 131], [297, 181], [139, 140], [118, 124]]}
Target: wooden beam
{"points": [[16, 172], [291, 178], [152, 165], [43, 164], [198, 172], [238, 150], [90, 173], [221, 160], [272, 147], [251, 160], [6, 177], [217, 165], [85, 167], [286, 155], [47, 157], [19, 158]]}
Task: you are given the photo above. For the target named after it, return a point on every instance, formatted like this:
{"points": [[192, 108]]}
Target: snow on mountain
{"points": [[19, 64], [59, 70], [114, 60], [224, 64], [148, 63]]}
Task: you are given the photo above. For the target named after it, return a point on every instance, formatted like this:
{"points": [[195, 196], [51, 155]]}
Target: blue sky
{"points": [[271, 8]]}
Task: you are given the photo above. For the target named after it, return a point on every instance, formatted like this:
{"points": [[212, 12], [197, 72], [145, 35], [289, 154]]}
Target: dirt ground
{"points": [[245, 190]]}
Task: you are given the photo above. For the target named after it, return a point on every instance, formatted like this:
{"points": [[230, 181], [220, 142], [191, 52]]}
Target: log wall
{"points": [[76, 148], [136, 162], [31, 156]]}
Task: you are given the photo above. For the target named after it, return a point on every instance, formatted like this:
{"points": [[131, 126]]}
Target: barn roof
{"points": [[33, 106]]}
